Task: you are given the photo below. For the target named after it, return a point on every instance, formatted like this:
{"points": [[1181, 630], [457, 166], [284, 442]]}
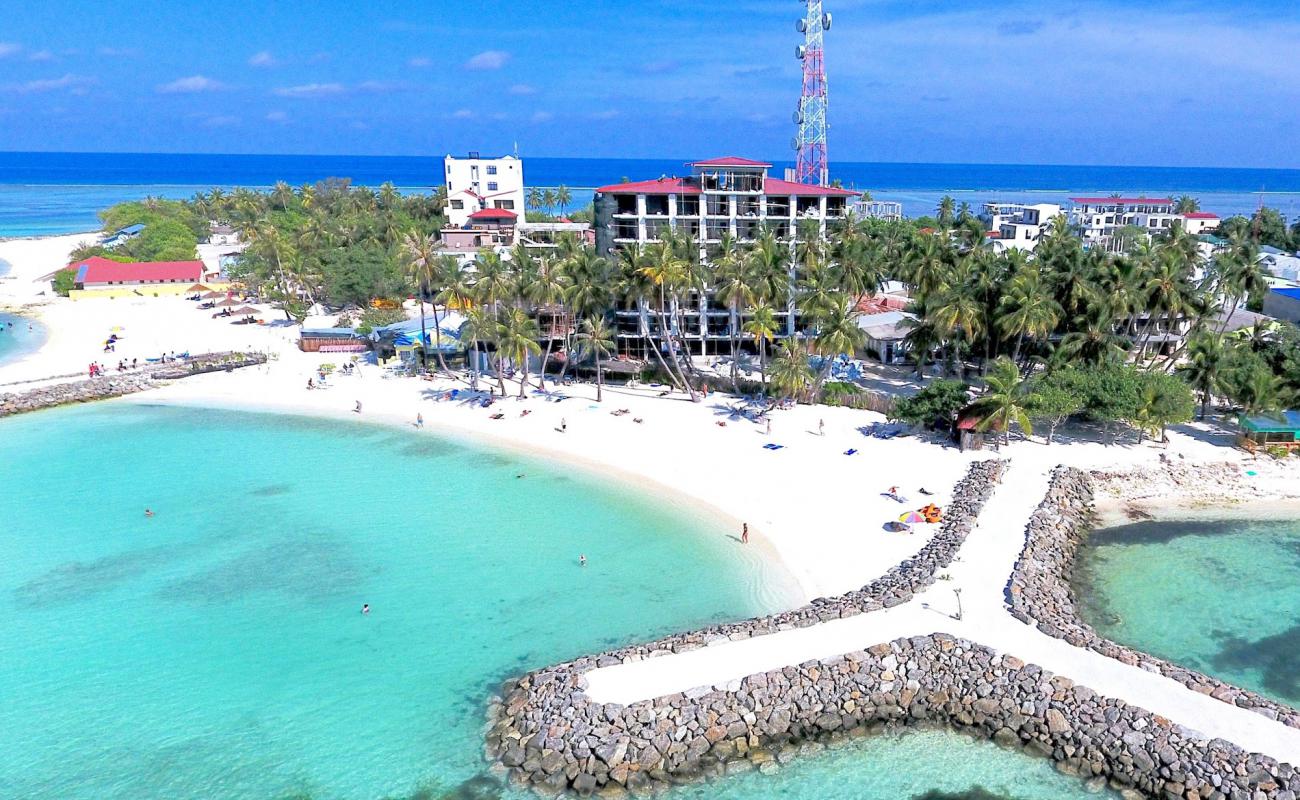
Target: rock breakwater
{"points": [[1040, 593], [551, 737], [117, 385]]}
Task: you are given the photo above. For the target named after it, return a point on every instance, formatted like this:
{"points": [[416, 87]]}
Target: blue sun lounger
{"points": [[770, 446]]}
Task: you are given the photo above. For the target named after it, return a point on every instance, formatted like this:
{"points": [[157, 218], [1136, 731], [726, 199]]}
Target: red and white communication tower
{"points": [[811, 117]]}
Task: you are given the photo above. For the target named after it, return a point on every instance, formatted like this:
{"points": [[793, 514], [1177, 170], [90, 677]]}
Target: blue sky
{"points": [[1086, 82]]}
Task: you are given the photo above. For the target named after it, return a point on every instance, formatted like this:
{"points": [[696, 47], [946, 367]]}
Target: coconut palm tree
{"points": [[958, 316], [1202, 371], [733, 287], [837, 333], [1186, 204], [1005, 400], [667, 272], [791, 372], [945, 211], [421, 267], [762, 326], [518, 340], [480, 328], [563, 197], [535, 198], [1027, 308], [636, 287], [546, 289], [596, 338], [493, 282]]}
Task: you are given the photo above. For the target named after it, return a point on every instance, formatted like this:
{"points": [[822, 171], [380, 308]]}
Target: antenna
{"points": [[811, 165]]}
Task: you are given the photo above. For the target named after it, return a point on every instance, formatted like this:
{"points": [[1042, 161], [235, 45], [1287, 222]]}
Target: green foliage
{"points": [[935, 406], [162, 240], [65, 281], [373, 318], [361, 273]]}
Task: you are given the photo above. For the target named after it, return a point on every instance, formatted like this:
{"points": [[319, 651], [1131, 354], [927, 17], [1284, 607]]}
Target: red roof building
{"points": [[731, 161], [98, 271], [1201, 215], [494, 215]]}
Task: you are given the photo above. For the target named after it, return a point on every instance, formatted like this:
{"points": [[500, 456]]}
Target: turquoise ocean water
{"points": [[1222, 597], [217, 650], [18, 336]]}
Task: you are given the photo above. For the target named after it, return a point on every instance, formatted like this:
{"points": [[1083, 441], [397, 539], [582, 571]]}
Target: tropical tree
{"points": [[596, 338], [837, 333], [517, 341], [1186, 204], [762, 326], [422, 265], [791, 372], [547, 288], [1204, 366], [1006, 400], [563, 197], [481, 329]]}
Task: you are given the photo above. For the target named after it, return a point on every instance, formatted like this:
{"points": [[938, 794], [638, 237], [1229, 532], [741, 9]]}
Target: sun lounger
{"points": [[850, 452], [771, 446]]}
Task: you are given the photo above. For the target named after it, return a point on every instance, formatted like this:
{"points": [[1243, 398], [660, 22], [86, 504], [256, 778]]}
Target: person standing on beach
{"points": [[358, 408], [769, 426], [821, 427], [744, 533], [419, 420], [564, 425]]}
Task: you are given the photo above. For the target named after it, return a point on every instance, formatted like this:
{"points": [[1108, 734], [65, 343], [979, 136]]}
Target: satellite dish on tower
{"points": [[801, 25], [800, 51]]}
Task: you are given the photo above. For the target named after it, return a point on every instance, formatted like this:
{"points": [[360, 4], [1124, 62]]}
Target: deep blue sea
{"points": [[47, 193]]}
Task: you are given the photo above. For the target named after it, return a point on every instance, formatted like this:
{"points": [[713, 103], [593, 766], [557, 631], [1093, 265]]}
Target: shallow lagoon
{"points": [[1219, 596], [217, 650]]}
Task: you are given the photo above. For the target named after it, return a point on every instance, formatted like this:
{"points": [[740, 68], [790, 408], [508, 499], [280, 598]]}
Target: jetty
{"points": [[978, 631], [58, 390]]}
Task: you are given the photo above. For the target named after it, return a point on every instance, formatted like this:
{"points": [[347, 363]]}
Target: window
{"points": [[492, 170], [458, 204], [492, 186], [510, 204]]}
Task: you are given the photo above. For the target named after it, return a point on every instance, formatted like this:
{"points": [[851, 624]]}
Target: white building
{"points": [[722, 197], [1018, 226], [1100, 218], [1199, 222], [475, 183]]}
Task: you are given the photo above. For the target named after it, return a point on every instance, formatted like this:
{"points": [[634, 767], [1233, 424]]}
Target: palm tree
{"points": [[1186, 204], [1004, 402], [265, 239], [1205, 358], [1027, 308], [422, 264], [535, 198], [945, 211], [548, 200], [791, 372], [518, 340], [637, 288], [733, 287], [763, 327], [838, 333], [480, 328], [667, 271], [596, 338], [563, 197], [546, 288], [958, 315], [493, 281]]}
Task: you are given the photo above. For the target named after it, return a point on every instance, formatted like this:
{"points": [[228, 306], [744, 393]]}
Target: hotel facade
{"points": [[720, 197]]}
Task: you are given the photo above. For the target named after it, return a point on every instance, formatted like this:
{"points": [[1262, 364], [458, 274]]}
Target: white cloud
{"points": [[262, 59], [383, 87], [9, 49], [310, 90], [191, 85], [41, 55], [220, 121], [75, 83], [522, 89], [419, 62], [277, 116], [488, 59], [463, 113], [542, 116]]}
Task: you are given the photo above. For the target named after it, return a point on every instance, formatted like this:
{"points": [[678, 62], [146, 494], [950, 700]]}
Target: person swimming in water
{"points": [[365, 608], [582, 559], [148, 512]]}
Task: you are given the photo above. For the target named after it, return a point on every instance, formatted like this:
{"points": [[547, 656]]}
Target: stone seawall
{"points": [[1040, 593], [551, 737], [116, 385]]}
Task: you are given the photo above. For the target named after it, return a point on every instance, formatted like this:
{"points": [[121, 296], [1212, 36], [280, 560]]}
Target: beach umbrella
{"points": [[229, 302], [246, 310], [213, 295], [198, 287], [912, 516]]}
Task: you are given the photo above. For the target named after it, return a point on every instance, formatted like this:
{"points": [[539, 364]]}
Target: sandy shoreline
{"points": [[819, 510]]}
